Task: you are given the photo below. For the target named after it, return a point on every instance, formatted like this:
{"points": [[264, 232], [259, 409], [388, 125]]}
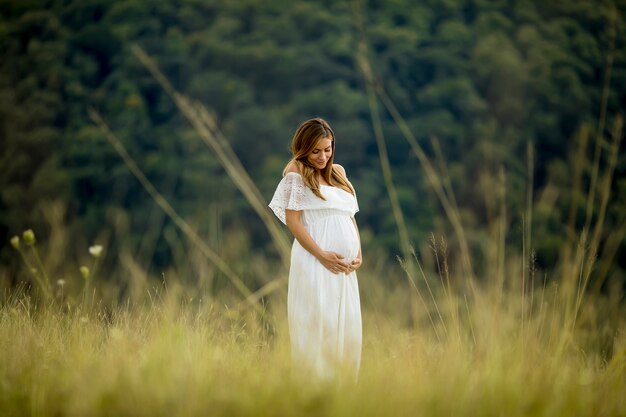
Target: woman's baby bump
{"points": [[337, 234]]}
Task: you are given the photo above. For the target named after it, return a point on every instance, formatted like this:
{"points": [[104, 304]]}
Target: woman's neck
{"points": [[321, 178]]}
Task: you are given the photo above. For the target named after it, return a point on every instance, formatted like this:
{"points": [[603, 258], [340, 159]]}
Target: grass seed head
{"points": [[84, 271], [15, 242], [29, 237]]}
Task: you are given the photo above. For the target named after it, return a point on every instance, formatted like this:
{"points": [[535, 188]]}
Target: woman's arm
{"points": [[358, 261], [331, 260]]}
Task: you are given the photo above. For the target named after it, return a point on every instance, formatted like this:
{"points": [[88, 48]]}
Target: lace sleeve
{"points": [[290, 194]]}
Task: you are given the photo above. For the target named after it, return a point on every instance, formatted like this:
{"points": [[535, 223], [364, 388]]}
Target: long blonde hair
{"points": [[303, 143]]}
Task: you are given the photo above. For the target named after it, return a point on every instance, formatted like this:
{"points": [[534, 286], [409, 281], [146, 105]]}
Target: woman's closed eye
{"points": [[316, 151]]}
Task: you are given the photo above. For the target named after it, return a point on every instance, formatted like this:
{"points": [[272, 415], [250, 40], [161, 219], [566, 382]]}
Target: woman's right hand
{"points": [[333, 262]]}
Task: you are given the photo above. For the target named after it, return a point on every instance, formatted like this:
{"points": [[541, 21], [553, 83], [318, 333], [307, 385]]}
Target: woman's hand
{"points": [[334, 262], [356, 264]]}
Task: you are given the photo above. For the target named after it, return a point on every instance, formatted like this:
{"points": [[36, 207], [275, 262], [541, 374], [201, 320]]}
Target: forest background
{"points": [[519, 98]]}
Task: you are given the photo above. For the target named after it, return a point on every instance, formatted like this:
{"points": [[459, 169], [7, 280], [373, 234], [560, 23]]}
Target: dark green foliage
{"points": [[483, 78]]}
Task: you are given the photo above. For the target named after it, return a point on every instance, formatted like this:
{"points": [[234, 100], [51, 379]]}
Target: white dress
{"points": [[323, 308]]}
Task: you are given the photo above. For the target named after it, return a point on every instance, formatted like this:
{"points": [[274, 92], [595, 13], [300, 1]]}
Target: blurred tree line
{"points": [[483, 79]]}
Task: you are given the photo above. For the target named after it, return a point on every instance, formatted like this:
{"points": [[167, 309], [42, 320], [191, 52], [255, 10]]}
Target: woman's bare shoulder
{"points": [[293, 166], [340, 169]]}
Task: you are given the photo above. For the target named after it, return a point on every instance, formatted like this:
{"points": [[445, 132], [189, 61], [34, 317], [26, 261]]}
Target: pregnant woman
{"points": [[317, 203]]}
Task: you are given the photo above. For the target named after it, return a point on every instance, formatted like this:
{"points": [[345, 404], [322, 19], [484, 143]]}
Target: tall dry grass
{"points": [[172, 354]]}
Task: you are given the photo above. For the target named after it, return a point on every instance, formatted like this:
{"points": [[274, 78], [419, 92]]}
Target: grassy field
{"points": [[467, 350]]}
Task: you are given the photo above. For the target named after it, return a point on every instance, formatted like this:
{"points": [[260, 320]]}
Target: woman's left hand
{"points": [[354, 265]]}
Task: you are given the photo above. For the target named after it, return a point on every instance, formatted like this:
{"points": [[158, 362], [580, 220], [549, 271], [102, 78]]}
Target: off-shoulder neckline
{"points": [[321, 185]]}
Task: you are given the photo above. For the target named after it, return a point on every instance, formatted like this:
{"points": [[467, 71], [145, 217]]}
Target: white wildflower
{"points": [[95, 250]]}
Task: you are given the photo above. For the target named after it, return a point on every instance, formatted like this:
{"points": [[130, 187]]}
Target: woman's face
{"points": [[322, 152]]}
